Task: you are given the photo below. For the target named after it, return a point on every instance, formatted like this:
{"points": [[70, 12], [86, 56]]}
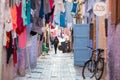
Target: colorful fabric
{"points": [[51, 4], [8, 22], [59, 7], [57, 19], [24, 9], [9, 46], [68, 8], [62, 20], [22, 39], [20, 26], [28, 11], [14, 16], [74, 8]]}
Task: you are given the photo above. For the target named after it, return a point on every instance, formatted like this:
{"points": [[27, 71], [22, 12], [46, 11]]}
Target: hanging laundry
{"points": [[69, 0], [24, 9], [14, 51], [33, 57], [20, 26], [28, 35], [2, 9], [18, 48], [41, 11], [13, 11], [57, 19], [8, 18], [12, 3], [74, 8], [59, 6], [44, 8], [62, 20], [22, 39], [28, 11], [9, 47], [38, 23], [8, 22], [33, 7], [47, 16], [51, 3], [68, 8], [51, 7]]}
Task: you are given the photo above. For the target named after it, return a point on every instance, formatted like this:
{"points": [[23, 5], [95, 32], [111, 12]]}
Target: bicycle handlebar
{"points": [[99, 50]]}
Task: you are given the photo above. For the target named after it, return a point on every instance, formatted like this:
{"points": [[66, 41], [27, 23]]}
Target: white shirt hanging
{"points": [[59, 6]]}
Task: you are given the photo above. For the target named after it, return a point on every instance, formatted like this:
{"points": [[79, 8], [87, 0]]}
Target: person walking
{"points": [[56, 41]]}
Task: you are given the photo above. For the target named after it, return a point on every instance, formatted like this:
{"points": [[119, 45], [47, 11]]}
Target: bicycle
{"points": [[95, 65]]}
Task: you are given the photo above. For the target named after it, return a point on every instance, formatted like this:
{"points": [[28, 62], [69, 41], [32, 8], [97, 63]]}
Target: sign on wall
{"points": [[100, 9]]}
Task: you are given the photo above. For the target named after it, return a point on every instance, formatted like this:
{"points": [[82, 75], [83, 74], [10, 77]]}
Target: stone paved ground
{"points": [[55, 67]]}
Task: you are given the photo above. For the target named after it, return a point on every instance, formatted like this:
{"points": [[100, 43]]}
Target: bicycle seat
{"points": [[100, 50]]}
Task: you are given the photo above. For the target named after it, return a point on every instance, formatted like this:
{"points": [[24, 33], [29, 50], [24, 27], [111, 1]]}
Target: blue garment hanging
{"points": [[28, 6], [62, 19], [68, 8], [41, 12], [74, 8], [57, 19]]}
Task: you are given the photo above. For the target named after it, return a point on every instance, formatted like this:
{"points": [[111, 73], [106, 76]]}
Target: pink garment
{"points": [[22, 39], [51, 3]]}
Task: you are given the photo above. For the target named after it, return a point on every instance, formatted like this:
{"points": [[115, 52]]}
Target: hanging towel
{"points": [[24, 16], [28, 11], [62, 20], [74, 8]]}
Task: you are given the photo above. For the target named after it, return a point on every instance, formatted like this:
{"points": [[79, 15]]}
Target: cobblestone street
{"points": [[55, 67]]}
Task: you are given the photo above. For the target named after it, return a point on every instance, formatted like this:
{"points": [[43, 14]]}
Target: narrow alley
{"points": [[55, 67], [59, 39]]}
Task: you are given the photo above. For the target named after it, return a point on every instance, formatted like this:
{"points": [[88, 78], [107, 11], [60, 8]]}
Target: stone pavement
{"points": [[55, 67]]}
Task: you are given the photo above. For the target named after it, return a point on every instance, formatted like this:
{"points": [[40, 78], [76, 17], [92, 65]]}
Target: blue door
{"points": [[81, 41]]}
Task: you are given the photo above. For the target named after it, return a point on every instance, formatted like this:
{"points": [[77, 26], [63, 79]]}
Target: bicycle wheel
{"points": [[99, 68], [88, 70]]}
